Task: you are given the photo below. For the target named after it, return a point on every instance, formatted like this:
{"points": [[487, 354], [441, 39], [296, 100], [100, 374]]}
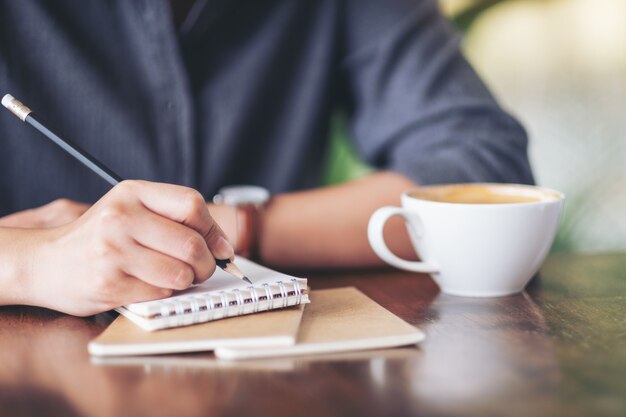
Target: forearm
{"points": [[327, 227]]}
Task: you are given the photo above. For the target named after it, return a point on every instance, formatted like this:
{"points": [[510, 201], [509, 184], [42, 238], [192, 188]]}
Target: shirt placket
{"points": [[171, 98]]}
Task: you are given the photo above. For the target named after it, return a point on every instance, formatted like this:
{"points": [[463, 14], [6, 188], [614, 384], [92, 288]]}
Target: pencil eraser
{"points": [[6, 100], [16, 107]]}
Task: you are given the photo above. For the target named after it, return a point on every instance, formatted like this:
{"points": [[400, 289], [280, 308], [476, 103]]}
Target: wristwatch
{"points": [[250, 200]]}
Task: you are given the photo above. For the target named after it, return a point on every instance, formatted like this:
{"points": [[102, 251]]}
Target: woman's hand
{"points": [[139, 242], [56, 213]]}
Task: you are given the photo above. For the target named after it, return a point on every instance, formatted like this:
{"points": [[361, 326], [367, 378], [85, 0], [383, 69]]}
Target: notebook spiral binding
{"points": [[236, 302]]}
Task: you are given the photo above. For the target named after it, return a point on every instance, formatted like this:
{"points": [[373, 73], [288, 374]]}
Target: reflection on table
{"points": [[555, 350]]}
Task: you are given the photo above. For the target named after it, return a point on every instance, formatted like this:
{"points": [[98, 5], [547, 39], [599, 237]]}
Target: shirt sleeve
{"points": [[415, 104]]}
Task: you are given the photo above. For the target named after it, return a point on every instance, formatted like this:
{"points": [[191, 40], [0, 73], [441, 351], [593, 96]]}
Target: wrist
{"points": [[20, 255]]}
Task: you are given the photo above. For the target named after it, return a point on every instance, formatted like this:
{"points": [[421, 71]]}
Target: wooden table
{"points": [[558, 349]]}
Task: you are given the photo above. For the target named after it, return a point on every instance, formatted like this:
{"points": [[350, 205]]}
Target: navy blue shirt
{"points": [[244, 92]]}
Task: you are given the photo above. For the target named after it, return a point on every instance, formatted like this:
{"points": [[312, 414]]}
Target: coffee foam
{"points": [[480, 193]]}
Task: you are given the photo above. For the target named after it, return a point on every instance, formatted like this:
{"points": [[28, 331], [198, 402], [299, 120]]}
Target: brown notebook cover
{"points": [[271, 328], [337, 320]]}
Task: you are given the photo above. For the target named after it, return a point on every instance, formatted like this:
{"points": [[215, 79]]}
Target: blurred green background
{"points": [[559, 66]]}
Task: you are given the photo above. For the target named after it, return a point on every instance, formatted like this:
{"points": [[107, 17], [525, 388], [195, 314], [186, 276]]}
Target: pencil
{"points": [[26, 115]]}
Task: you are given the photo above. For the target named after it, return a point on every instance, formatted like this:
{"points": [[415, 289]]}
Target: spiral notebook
{"points": [[219, 297]]}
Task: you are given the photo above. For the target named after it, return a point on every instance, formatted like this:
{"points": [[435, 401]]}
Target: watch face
{"points": [[242, 194]]}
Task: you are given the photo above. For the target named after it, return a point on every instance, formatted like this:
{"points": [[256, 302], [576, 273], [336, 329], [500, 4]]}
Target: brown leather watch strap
{"points": [[248, 230]]}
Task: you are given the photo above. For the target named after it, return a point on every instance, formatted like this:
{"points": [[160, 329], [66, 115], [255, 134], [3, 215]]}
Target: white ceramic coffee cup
{"points": [[476, 250]]}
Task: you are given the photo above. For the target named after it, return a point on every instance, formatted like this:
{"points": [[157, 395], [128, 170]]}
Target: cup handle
{"points": [[377, 240]]}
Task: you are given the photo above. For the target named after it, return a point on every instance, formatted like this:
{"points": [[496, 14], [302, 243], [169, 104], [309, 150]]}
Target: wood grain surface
{"points": [[557, 349]]}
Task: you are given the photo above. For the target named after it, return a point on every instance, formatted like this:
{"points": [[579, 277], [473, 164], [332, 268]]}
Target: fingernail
{"points": [[222, 249]]}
